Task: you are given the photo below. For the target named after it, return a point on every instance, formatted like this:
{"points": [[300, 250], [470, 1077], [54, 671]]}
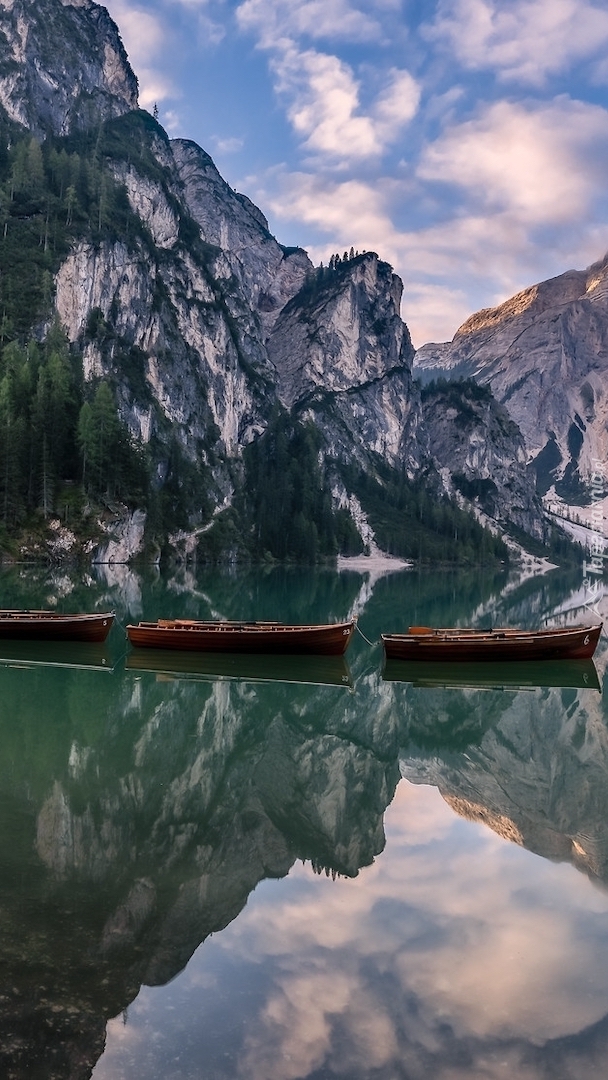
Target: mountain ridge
{"points": [[544, 354], [174, 295]]}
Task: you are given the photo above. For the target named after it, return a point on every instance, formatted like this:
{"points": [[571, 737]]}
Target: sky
{"points": [[465, 141]]}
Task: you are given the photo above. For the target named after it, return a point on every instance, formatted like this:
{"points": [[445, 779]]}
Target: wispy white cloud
{"points": [[211, 30], [543, 163], [172, 122], [525, 40], [324, 104], [275, 20], [351, 212], [150, 39], [227, 146], [143, 32], [322, 95], [397, 104], [325, 108]]}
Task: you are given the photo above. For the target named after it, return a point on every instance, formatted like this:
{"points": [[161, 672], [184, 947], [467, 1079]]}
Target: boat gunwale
{"points": [[223, 626], [26, 615], [495, 634]]}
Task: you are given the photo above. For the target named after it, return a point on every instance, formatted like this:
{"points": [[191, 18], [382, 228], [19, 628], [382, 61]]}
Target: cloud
{"points": [[525, 40], [512, 194], [338, 209], [324, 105], [543, 163], [172, 122], [325, 99], [211, 31], [143, 33], [397, 104], [275, 20], [227, 145], [320, 91]]}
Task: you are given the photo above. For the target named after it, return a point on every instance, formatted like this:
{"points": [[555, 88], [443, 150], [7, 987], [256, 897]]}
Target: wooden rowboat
{"points": [[559, 643], [242, 637], [54, 626]]}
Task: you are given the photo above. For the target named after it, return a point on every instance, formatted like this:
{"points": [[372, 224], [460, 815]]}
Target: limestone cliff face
{"points": [[268, 274], [230, 324], [63, 65], [481, 450], [544, 353], [342, 356]]}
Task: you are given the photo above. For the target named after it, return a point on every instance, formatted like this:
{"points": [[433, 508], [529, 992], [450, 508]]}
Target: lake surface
{"points": [[300, 868]]}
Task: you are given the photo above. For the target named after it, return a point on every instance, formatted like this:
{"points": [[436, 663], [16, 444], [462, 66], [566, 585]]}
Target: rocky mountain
{"points": [[481, 453], [219, 346], [544, 354], [64, 67]]}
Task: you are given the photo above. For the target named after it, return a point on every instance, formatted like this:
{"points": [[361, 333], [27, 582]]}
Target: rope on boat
{"points": [[120, 624], [372, 644]]}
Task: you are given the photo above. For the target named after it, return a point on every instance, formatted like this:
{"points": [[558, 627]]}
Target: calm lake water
{"points": [[302, 869]]}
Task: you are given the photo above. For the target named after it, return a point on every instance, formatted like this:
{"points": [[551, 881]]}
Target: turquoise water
{"points": [[301, 869]]}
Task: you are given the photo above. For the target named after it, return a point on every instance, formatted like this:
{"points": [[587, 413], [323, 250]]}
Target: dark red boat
{"points": [[558, 643], [54, 626], [331, 639]]}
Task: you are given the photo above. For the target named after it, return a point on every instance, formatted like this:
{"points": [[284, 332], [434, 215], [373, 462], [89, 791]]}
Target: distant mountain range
{"points": [[262, 407]]}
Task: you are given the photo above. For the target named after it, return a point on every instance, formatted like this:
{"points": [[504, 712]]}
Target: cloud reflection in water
{"points": [[456, 954]]}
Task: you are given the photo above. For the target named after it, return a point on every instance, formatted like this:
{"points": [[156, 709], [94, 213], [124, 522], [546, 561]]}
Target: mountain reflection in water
{"points": [[138, 817], [140, 812]]}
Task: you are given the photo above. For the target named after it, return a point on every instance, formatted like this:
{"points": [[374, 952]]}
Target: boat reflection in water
{"points": [[248, 667], [93, 656], [525, 675]]}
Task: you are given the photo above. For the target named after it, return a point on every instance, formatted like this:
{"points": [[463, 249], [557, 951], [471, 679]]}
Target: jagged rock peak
{"points": [[269, 273], [63, 66], [528, 304], [341, 331]]}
